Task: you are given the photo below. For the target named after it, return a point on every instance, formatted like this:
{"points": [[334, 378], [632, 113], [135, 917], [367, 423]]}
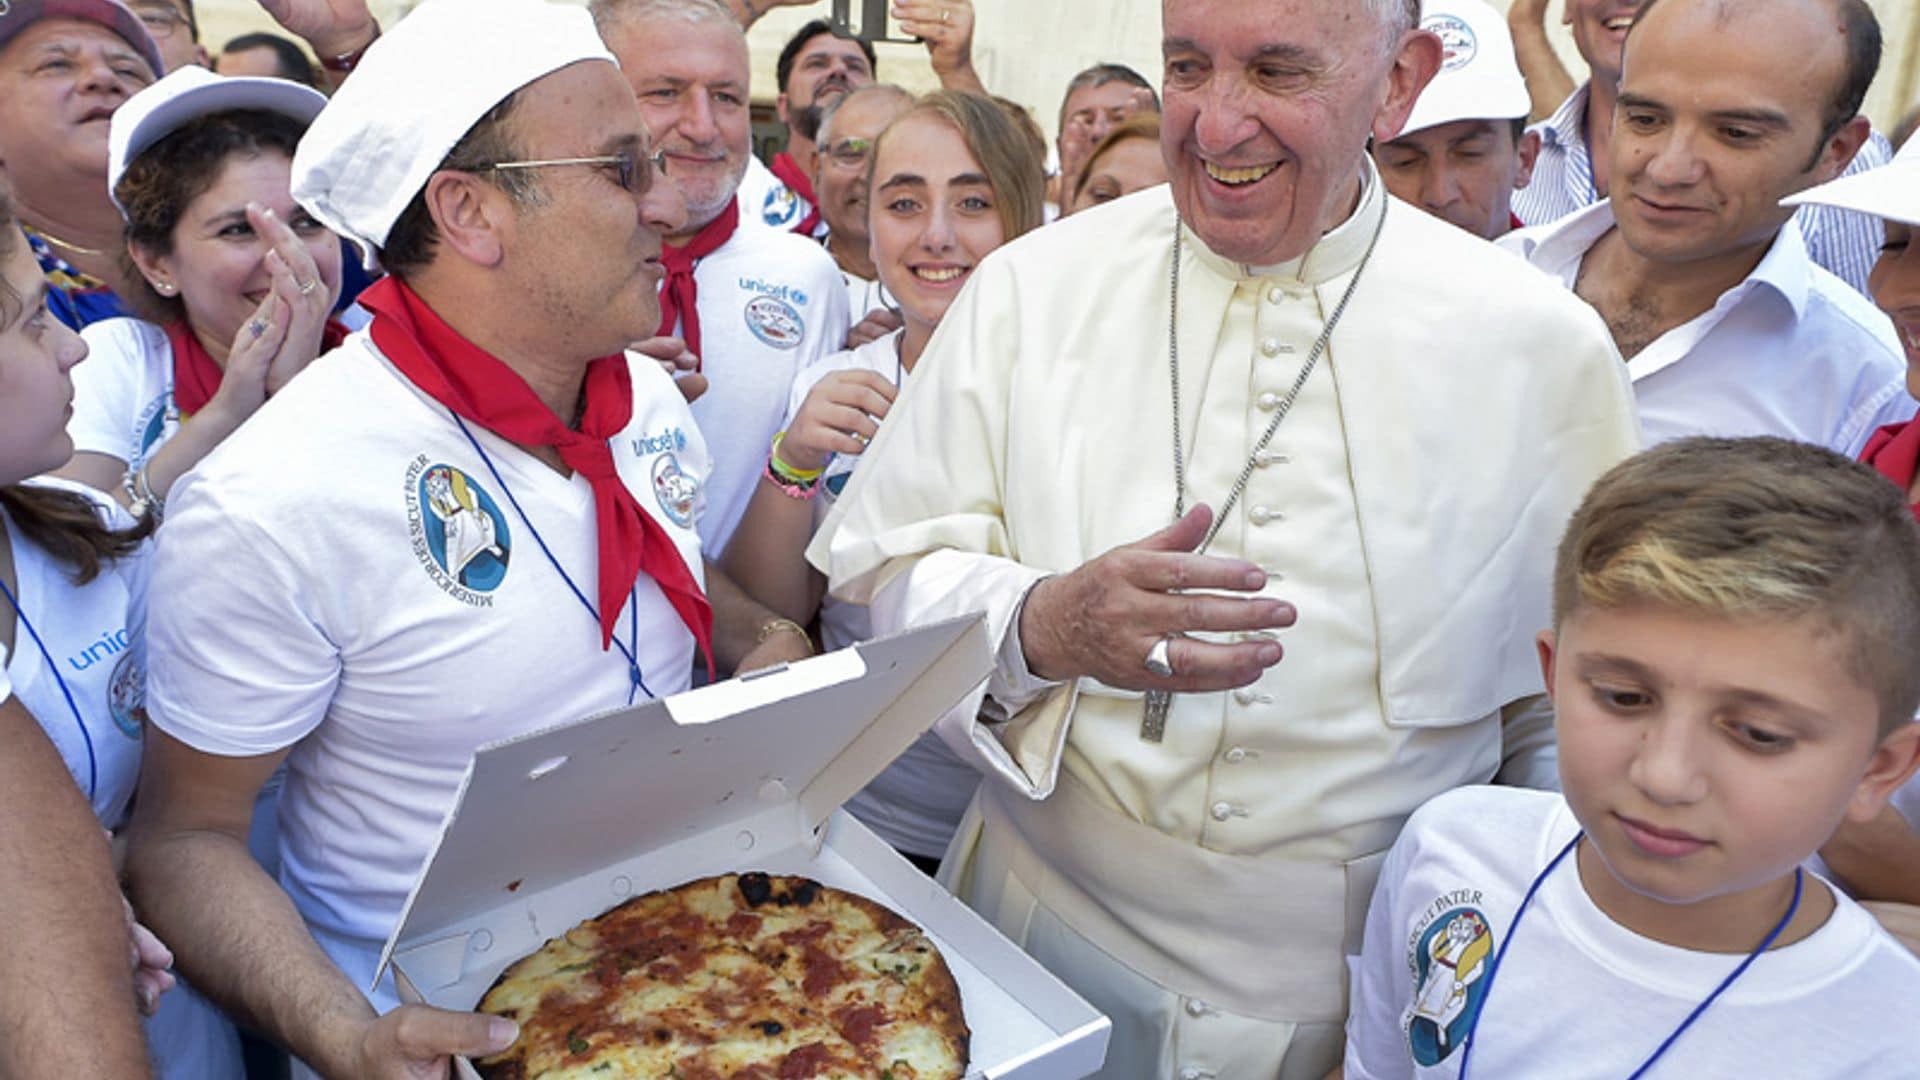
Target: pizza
{"points": [[750, 976]]}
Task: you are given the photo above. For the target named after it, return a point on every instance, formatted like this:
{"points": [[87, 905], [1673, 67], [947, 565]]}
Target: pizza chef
{"points": [[493, 527]]}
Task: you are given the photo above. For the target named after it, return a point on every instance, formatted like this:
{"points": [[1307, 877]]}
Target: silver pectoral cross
{"points": [[1153, 721]]}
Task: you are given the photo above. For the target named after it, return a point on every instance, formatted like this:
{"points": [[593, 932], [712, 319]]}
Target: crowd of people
{"points": [[1423, 552]]}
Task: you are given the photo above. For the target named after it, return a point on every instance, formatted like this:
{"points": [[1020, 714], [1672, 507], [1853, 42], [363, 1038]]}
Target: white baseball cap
{"points": [[1479, 78], [1890, 191], [416, 92], [188, 94]]}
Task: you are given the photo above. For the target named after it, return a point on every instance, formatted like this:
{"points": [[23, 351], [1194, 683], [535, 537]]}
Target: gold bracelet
{"points": [[779, 625]]}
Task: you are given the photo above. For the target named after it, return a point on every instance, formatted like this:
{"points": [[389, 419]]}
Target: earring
{"points": [[164, 288]]}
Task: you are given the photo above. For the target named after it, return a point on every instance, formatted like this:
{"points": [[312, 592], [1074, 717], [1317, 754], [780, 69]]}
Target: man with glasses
{"points": [[755, 305], [473, 520], [848, 128], [175, 30]]}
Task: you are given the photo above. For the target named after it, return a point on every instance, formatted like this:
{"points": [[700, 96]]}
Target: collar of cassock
{"points": [[1335, 256]]}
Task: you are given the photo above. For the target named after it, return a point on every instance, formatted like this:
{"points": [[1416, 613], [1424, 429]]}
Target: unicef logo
{"points": [[1457, 38], [465, 532], [127, 694]]}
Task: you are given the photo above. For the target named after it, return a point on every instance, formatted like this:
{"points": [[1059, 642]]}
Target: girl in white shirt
{"points": [[238, 280], [953, 178]]}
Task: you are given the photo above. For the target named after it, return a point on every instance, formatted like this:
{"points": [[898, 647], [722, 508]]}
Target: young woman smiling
{"points": [[953, 178], [238, 280]]}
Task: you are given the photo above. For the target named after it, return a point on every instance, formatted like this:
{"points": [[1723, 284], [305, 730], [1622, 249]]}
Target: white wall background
{"points": [[1028, 49]]}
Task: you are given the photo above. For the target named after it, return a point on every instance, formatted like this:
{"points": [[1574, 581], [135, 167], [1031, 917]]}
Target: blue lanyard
{"points": [[93, 766], [1466, 1049], [631, 649]]}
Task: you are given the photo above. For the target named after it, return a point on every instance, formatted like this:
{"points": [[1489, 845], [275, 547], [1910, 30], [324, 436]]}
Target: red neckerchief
{"points": [[679, 295], [195, 374], [478, 387], [1894, 450], [1514, 221], [801, 185]]}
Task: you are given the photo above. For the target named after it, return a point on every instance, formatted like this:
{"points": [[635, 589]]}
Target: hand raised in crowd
{"points": [[283, 336], [152, 963], [1078, 142], [417, 1042], [878, 324], [678, 362], [947, 28], [332, 27], [1101, 619], [841, 415]]}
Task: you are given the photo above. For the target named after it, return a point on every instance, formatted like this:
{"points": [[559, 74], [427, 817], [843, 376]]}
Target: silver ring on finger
{"points": [[1160, 658], [306, 287], [861, 439]]}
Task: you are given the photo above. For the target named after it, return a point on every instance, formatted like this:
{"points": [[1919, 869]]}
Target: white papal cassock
{"points": [[1204, 890]]}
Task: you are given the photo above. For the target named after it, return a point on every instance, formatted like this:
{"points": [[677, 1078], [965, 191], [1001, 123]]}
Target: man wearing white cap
{"points": [[1180, 824], [1727, 325], [755, 305], [471, 521], [1466, 148]]}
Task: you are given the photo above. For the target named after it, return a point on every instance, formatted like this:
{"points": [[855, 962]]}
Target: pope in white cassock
{"points": [[1147, 440]]}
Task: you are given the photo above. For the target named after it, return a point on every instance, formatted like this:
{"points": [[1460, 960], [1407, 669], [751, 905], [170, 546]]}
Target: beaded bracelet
{"points": [[801, 490]]}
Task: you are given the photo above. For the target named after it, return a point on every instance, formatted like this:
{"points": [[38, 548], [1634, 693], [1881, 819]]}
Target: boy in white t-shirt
{"points": [[1731, 666]]}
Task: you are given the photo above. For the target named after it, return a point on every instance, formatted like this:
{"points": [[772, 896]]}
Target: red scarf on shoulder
{"points": [[195, 373], [476, 386], [788, 170], [1894, 451], [679, 294]]}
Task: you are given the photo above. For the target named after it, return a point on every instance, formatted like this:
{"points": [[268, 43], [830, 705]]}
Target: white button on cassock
{"points": [[1270, 457], [1196, 1008], [1192, 1072], [1222, 811], [1268, 401], [1275, 295], [1270, 348], [1236, 755], [1264, 515]]}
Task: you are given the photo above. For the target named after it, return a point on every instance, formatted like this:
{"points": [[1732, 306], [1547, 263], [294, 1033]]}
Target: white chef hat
{"points": [[186, 95], [415, 93], [1890, 191], [1479, 78]]}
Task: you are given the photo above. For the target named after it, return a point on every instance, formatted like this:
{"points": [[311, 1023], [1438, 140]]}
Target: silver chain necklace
{"points": [[1153, 724]]}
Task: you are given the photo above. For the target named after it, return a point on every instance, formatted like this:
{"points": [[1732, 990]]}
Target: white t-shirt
{"points": [[123, 392], [1580, 996], [771, 304], [381, 606], [916, 804], [863, 296], [92, 634]]}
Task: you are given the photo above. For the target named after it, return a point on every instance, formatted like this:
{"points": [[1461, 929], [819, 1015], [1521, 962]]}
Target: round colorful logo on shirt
{"points": [[781, 207], [676, 490], [1456, 37], [127, 696], [775, 322], [460, 537], [153, 425], [1448, 957]]}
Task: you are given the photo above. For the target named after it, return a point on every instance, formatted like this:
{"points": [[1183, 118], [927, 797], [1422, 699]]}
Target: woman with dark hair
{"points": [[65, 990], [237, 280], [952, 179]]}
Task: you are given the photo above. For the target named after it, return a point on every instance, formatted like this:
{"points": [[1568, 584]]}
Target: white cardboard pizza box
{"points": [[558, 826]]}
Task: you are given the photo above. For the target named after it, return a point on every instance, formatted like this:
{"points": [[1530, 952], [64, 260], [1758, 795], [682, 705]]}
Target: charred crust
{"points": [[755, 888], [770, 1027]]}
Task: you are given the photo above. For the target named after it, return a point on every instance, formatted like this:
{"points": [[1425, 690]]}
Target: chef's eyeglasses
{"points": [[632, 170], [850, 153]]}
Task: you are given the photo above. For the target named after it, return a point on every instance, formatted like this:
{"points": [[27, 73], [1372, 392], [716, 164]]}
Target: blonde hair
{"points": [[1015, 164], [1758, 528]]}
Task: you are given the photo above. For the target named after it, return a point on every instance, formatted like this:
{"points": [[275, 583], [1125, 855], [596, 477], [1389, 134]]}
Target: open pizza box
{"points": [[558, 826]]}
